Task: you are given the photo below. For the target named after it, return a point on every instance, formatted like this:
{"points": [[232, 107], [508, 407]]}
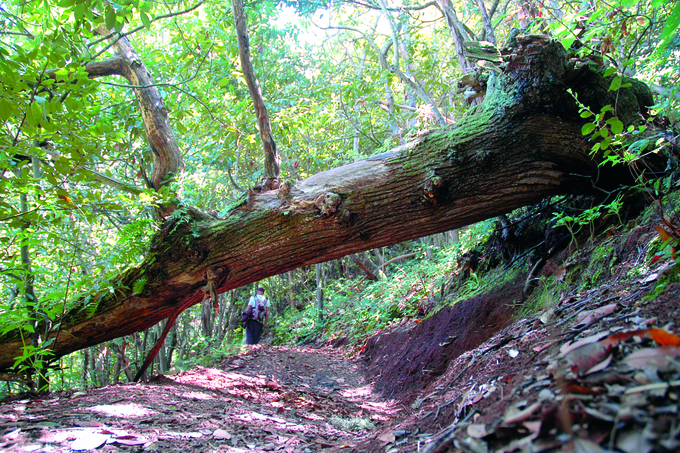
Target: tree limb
{"points": [[396, 70], [395, 259], [117, 35], [113, 182], [166, 153], [271, 159]]}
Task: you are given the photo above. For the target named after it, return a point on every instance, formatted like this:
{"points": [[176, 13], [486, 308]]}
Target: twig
{"points": [[136, 29]]}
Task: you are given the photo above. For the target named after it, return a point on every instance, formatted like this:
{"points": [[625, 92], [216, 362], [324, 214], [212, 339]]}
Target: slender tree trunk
{"points": [[486, 22], [271, 161], [365, 264], [319, 289], [85, 367], [457, 33], [127, 63]]}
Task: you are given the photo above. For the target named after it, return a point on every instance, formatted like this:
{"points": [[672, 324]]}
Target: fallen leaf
{"points": [[652, 387], [599, 415], [513, 353], [578, 390], [513, 416], [633, 442], [323, 443], [477, 430], [89, 441], [663, 234], [664, 338], [570, 346], [386, 438], [221, 434], [586, 446], [666, 237], [587, 356], [600, 366], [533, 427], [542, 347], [656, 357], [590, 316], [650, 278], [130, 440]]}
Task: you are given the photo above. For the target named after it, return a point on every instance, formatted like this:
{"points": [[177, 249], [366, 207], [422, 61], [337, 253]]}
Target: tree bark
{"points": [[271, 158], [365, 264], [457, 33], [523, 144], [167, 156]]}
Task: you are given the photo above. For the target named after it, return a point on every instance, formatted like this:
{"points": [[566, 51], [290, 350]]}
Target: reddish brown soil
{"points": [[406, 359], [448, 383]]}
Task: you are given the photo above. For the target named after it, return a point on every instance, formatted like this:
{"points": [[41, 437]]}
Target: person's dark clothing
{"points": [[253, 331]]}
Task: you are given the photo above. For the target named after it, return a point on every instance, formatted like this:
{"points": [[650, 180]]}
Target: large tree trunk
{"points": [[523, 144]]}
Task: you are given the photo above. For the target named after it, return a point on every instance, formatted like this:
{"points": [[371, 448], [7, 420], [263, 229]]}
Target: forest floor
{"points": [[596, 370]]}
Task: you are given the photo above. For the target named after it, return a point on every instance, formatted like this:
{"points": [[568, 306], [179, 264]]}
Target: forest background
{"points": [[342, 81]]}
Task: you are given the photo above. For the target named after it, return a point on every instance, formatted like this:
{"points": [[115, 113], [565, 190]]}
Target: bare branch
{"points": [[396, 70], [118, 35], [113, 182]]}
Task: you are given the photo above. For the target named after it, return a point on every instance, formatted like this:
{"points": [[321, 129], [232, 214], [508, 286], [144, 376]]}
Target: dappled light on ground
{"points": [[596, 366], [126, 410]]}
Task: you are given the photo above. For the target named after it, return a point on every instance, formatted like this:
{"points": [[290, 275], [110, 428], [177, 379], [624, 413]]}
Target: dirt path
{"points": [[266, 399], [599, 371]]}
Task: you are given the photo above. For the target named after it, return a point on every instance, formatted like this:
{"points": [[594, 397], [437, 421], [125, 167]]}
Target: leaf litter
{"points": [[597, 372]]}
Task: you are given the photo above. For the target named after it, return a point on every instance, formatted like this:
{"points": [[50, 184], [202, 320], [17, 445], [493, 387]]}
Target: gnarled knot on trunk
{"points": [[284, 189], [270, 183], [214, 277], [327, 203], [431, 190]]}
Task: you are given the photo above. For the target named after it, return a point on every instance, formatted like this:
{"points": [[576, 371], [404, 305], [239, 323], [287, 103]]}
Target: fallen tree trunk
{"points": [[523, 144]]}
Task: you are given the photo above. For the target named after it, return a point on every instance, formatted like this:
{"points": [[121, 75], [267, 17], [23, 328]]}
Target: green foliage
{"points": [[356, 309], [574, 223]]}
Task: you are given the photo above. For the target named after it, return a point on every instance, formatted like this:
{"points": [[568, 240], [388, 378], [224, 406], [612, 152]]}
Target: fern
{"points": [[90, 304], [138, 286]]}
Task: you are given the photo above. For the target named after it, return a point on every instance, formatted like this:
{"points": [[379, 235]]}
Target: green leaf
{"points": [[609, 72], [638, 147], [616, 125], [138, 286], [672, 24], [36, 112], [145, 19], [110, 17], [588, 128], [616, 84], [5, 109], [586, 114], [568, 41]]}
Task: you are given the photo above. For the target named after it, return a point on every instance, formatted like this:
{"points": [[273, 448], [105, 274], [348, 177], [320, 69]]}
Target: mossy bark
{"points": [[522, 145]]}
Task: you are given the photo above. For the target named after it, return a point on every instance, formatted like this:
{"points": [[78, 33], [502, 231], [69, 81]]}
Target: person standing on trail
{"points": [[257, 318]]}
